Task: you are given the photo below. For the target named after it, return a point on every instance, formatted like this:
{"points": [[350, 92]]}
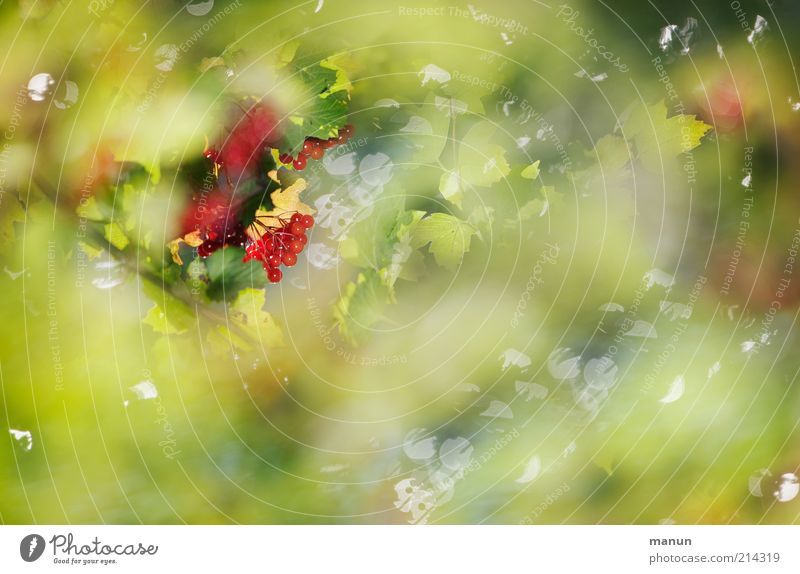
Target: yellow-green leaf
{"points": [[247, 312], [10, 212], [658, 137], [450, 187], [169, 315], [532, 171], [449, 238], [115, 235], [192, 239], [480, 161], [361, 306], [285, 201]]}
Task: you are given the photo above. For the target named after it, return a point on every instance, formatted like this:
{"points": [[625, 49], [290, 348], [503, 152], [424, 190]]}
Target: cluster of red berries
{"points": [[280, 245], [314, 148], [215, 215], [232, 234]]}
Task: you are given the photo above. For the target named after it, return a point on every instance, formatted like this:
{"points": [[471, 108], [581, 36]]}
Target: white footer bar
{"points": [[406, 549]]}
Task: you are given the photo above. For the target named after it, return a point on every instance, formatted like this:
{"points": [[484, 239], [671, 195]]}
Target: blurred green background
{"points": [[618, 344]]}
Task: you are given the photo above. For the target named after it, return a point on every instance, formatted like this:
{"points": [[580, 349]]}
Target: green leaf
{"points": [[228, 275], [115, 235], [341, 82], [658, 137], [450, 187], [609, 169], [369, 242], [11, 212], [320, 99], [449, 238], [612, 152], [287, 52], [481, 162], [548, 197], [91, 251], [482, 219], [360, 306], [169, 315], [88, 209], [532, 171], [425, 128], [197, 279], [247, 313]]}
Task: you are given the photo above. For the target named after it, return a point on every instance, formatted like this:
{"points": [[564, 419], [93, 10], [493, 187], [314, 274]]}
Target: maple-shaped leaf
{"points": [[449, 238], [658, 137], [316, 102], [284, 201]]}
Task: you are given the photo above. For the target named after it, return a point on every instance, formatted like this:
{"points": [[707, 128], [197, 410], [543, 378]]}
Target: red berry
{"points": [[282, 239], [274, 260], [297, 229], [295, 247], [317, 153], [286, 158], [307, 221], [296, 217], [308, 145], [300, 163], [289, 259], [349, 130], [328, 144], [274, 275], [252, 251], [302, 239], [205, 249]]}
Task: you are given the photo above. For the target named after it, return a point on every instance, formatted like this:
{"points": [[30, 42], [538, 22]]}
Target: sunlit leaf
{"points": [[532, 171], [658, 137], [449, 238], [115, 235], [247, 313], [450, 186], [285, 201], [480, 161], [169, 315]]}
